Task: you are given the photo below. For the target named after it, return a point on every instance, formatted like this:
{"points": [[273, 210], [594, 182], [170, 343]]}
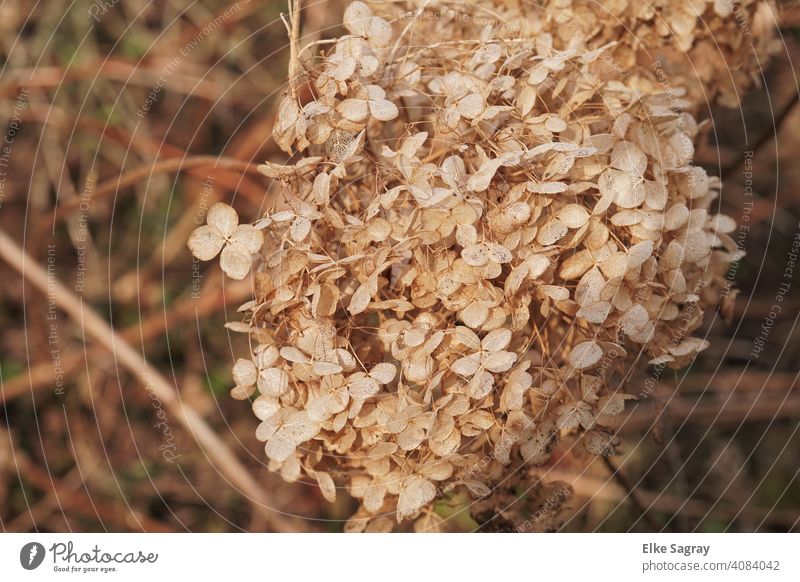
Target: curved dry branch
{"points": [[95, 327]]}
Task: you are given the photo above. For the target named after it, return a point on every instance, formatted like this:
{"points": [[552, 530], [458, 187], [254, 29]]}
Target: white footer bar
{"points": [[400, 557]]}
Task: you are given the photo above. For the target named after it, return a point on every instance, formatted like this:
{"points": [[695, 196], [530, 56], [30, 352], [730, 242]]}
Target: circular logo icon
{"points": [[31, 555]]}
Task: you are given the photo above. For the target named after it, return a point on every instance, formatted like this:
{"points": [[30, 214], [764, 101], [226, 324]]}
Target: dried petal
{"points": [[585, 355], [415, 494], [206, 242]]}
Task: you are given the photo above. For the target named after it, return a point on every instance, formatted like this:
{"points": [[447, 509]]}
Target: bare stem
{"points": [[293, 27]]}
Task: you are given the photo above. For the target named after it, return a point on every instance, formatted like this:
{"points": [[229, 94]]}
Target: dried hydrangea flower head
{"points": [[478, 237]]}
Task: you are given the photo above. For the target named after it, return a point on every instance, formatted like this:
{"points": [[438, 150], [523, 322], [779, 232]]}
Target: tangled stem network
{"points": [[477, 239]]}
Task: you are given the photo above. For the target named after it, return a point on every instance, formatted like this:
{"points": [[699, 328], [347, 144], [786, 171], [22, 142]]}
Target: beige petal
{"points": [[475, 314], [634, 320], [555, 124], [344, 68], [551, 232], [410, 437], [453, 172], [467, 365], [555, 292], [517, 213], [300, 427], [590, 287], [363, 387], [722, 223], [676, 216], [546, 187], [355, 110], [476, 255], [379, 33], [368, 64], [614, 404], [499, 361], [537, 265], [236, 261], [438, 470], [273, 382], [596, 312], [689, 346], [360, 299], [265, 407], [573, 215], [206, 242], [471, 106], [538, 74], [249, 237], [326, 485], [599, 443], [656, 195], [629, 158], [480, 181], [498, 253], [448, 446], [300, 229], [326, 368], [383, 110], [383, 372], [279, 447], [292, 354], [415, 494], [224, 218], [242, 392], [357, 18], [585, 355], [626, 218], [576, 265], [244, 372], [480, 385], [631, 193], [496, 340], [639, 253], [269, 426]]}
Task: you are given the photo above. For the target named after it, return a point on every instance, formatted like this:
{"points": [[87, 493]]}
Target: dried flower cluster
{"points": [[480, 234]]}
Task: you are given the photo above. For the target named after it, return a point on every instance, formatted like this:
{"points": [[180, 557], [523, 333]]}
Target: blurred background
{"points": [[124, 121]]}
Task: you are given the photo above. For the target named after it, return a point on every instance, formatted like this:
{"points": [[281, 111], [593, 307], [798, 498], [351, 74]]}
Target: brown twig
{"points": [[160, 167], [66, 497], [230, 180], [631, 494], [720, 413], [773, 131], [293, 27], [143, 75], [598, 489], [41, 375], [94, 326], [737, 379]]}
